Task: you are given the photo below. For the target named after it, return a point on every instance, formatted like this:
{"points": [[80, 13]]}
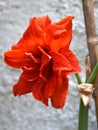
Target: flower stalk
{"points": [[83, 111]]}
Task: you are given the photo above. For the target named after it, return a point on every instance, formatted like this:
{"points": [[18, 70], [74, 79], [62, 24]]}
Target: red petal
{"points": [[42, 22], [66, 22], [50, 86], [45, 69], [27, 42], [38, 92], [22, 86], [72, 60], [59, 34], [18, 59], [34, 35], [60, 62], [31, 74], [59, 97], [58, 39]]}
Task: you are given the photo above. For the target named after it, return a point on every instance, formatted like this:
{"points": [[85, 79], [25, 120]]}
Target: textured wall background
{"points": [[24, 113]]}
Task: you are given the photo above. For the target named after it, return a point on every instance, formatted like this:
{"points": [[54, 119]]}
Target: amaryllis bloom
{"points": [[44, 56]]}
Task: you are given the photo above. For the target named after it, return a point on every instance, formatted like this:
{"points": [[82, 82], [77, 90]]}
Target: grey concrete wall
{"points": [[24, 113]]}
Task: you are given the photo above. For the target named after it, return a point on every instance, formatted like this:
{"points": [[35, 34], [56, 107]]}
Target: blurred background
{"points": [[25, 113]]}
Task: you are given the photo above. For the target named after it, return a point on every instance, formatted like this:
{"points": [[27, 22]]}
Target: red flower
{"points": [[44, 56]]}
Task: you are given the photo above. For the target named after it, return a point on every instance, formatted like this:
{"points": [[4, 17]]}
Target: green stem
{"points": [[78, 78], [93, 75], [83, 111], [83, 117]]}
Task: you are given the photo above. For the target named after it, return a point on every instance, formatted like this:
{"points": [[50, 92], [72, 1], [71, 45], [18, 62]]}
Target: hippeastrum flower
{"points": [[44, 56]]}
